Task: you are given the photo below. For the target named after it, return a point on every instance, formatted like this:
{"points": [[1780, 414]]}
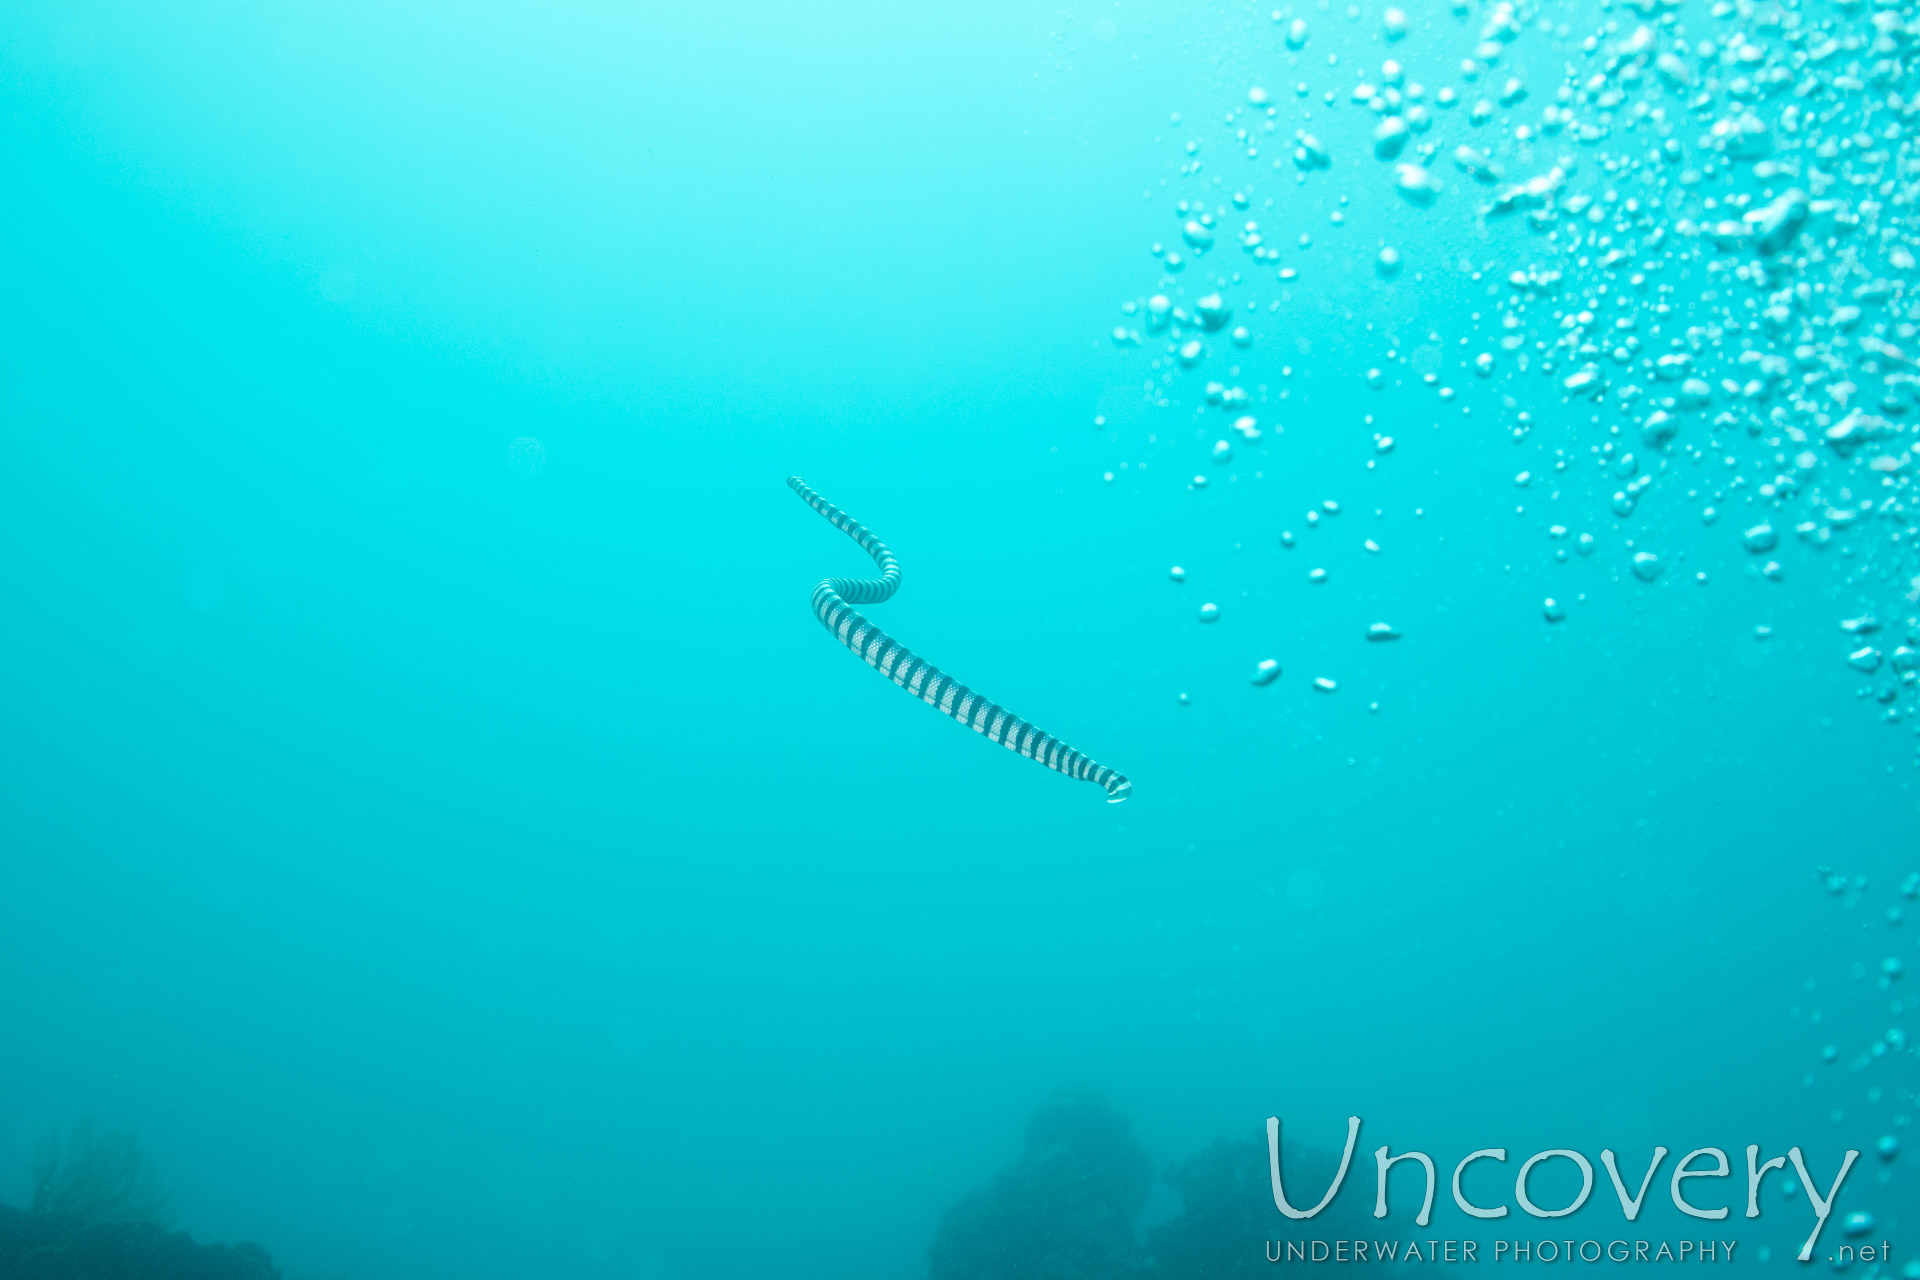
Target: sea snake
{"points": [[833, 602]]}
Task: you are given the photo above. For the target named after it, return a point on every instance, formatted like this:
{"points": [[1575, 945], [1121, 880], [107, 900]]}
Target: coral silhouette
{"points": [[1228, 1214], [96, 1177], [35, 1247], [98, 1213], [1066, 1208], [1226, 1207]]}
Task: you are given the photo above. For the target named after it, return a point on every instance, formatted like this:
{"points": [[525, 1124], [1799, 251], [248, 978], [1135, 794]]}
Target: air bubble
{"points": [[1416, 184]]}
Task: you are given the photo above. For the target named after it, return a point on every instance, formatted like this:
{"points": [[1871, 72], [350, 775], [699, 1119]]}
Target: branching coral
{"points": [[96, 1176]]}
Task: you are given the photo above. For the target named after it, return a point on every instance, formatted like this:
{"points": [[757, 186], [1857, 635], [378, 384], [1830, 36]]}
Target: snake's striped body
{"points": [[833, 602]]}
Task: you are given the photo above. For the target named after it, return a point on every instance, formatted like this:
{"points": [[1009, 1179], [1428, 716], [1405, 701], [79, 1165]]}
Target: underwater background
{"points": [[431, 821]]}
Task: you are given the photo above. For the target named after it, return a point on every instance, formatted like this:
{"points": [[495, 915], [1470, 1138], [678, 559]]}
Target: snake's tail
{"points": [[833, 602]]}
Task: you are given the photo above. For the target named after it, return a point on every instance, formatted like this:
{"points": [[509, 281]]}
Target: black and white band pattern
{"points": [[833, 602]]}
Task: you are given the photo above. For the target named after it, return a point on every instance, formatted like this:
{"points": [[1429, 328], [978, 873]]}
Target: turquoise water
{"points": [[434, 822]]}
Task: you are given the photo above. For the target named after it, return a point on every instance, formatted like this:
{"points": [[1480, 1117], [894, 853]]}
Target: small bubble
{"points": [[1416, 185], [1390, 139]]}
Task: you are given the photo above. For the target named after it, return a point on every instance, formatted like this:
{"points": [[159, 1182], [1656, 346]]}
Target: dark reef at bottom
{"points": [[36, 1246]]}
